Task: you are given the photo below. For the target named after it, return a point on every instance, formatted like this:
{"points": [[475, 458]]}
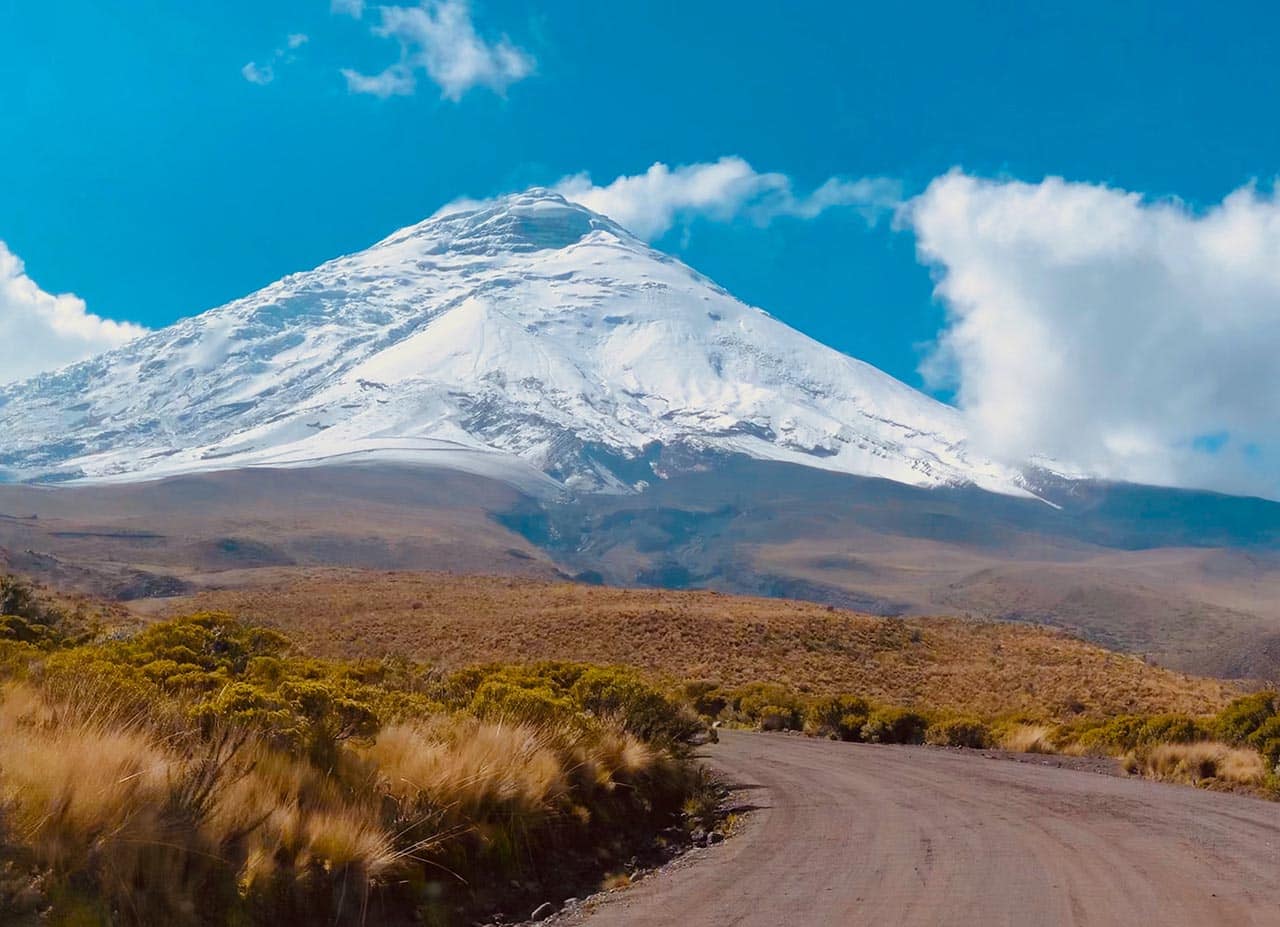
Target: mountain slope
{"points": [[526, 338]]}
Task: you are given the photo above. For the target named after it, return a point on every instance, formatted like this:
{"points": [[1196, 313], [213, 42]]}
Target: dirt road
{"points": [[847, 834]]}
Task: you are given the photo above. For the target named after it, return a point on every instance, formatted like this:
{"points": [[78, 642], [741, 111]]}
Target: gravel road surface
{"points": [[850, 834]]}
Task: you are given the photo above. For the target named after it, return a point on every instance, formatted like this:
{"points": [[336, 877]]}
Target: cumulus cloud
{"points": [[1137, 339], [260, 74], [649, 204], [41, 331], [265, 73], [396, 80], [439, 38]]}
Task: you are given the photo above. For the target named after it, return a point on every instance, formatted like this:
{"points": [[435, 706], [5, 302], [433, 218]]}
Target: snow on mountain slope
{"points": [[527, 338]]}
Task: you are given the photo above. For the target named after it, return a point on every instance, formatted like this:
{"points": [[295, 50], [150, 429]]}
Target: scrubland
{"points": [[200, 771], [944, 664], [207, 769], [831, 672]]}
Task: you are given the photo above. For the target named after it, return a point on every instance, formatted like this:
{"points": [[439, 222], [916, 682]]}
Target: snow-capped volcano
{"points": [[527, 336]]}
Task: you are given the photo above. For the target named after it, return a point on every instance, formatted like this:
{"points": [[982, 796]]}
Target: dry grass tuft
{"points": [[347, 838], [1203, 763], [76, 789], [1027, 738], [616, 881], [471, 765], [88, 797]]}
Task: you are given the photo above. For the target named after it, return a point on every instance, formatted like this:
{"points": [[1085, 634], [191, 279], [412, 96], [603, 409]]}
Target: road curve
{"points": [[849, 834]]}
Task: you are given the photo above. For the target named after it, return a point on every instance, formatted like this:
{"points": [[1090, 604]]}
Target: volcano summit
{"points": [[525, 337]]}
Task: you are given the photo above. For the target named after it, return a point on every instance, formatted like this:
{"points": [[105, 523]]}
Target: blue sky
{"points": [[148, 176]]}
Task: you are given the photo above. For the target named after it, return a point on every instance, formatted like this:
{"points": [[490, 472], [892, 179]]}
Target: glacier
{"points": [[525, 338]]}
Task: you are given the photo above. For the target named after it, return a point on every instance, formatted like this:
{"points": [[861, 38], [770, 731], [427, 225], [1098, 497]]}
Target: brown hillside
{"points": [[987, 668]]}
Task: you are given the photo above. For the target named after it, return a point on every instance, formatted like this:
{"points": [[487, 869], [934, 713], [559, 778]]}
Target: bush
{"points": [[1239, 720], [1114, 734], [641, 709], [25, 631], [958, 732], [1172, 729], [18, 598], [1266, 740], [1128, 732], [707, 698], [758, 701], [25, 617], [839, 716], [894, 726], [501, 700]]}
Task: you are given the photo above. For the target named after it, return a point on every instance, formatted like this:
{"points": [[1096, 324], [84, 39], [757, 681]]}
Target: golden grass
{"points": [[984, 669], [79, 789], [470, 765], [1202, 763], [92, 795], [88, 792], [347, 838], [1026, 738], [160, 824]]}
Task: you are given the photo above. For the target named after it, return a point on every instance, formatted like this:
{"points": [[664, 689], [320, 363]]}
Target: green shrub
{"points": [[26, 631], [16, 658], [1112, 735], [1172, 729], [25, 617], [18, 598], [501, 700], [958, 732], [1242, 717], [707, 698], [328, 716], [894, 726], [839, 716], [1266, 740], [244, 704], [1129, 732], [783, 707], [201, 652], [640, 708]]}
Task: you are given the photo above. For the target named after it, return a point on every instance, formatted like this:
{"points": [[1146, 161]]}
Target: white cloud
{"points": [[439, 38], [1137, 339], [352, 8], [263, 74], [258, 74], [41, 331], [396, 80], [649, 204]]}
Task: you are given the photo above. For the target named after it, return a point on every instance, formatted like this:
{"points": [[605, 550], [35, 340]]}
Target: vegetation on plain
{"points": [[200, 771], [946, 665], [1236, 747], [204, 770]]}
